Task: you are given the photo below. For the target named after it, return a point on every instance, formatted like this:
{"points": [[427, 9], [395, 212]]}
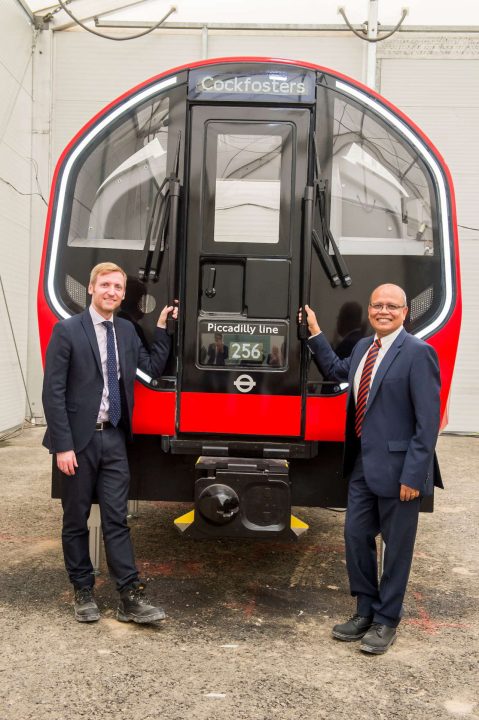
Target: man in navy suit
{"points": [[392, 423], [217, 351], [90, 369]]}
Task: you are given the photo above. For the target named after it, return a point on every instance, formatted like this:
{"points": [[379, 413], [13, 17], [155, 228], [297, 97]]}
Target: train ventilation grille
{"points": [[421, 304], [76, 291]]}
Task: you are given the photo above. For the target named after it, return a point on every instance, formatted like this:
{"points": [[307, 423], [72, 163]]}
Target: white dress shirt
{"points": [[386, 343], [101, 333]]}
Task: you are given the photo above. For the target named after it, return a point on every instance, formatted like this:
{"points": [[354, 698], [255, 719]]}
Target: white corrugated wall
{"points": [[16, 178], [89, 72], [437, 85]]}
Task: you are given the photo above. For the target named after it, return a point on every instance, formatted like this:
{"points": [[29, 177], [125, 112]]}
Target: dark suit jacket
{"points": [[73, 381], [213, 359], [401, 422]]}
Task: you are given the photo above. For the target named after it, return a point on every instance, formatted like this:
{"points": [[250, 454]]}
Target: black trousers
{"points": [[368, 515], [102, 473]]}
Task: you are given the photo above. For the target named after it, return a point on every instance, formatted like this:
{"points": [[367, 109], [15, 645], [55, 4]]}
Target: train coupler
{"points": [[240, 498]]}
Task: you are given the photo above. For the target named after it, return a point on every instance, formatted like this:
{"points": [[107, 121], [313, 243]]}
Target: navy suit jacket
{"points": [[401, 422], [73, 380]]}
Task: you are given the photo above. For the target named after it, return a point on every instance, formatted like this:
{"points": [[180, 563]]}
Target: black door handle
{"points": [[210, 291]]}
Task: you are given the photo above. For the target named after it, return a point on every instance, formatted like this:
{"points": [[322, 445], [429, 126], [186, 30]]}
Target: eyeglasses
{"points": [[377, 307]]}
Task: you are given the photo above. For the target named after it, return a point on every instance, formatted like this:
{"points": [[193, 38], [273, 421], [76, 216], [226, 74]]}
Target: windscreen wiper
{"points": [[163, 225], [156, 228], [174, 192], [325, 260], [333, 265], [336, 270], [328, 238], [159, 223]]}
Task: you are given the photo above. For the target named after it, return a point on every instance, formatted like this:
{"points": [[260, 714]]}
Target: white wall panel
{"points": [[340, 53], [464, 403], [16, 172], [90, 72], [69, 117], [442, 96], [453, 131], [455, 147], [16, 120], [16, 39], [431, 82], [14, 252], [96, 69], [13, 206]]}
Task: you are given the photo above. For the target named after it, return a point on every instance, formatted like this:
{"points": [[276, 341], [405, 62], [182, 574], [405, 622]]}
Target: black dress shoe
{"points": [[86, 609], [353, 629], [134, 606], [378, 639]]}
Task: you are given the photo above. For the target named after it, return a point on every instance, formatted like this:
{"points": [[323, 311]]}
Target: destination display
{"points": [[274, 85], [223, 343]]}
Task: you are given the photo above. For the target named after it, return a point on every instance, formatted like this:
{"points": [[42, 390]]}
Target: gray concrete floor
{"points": [[249, 623]]}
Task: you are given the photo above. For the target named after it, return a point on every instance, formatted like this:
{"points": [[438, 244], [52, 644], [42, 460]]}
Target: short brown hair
{"points": [[103, 269]]}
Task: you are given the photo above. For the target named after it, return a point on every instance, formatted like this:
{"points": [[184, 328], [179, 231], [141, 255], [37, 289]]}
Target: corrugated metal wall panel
{"points": [[68, 117], [15, 163], [89, 73], [442, 96], [458, 149], [431, 82], [464, 404], [16, 40], [14, 272], [88, 67], [341, 53]]}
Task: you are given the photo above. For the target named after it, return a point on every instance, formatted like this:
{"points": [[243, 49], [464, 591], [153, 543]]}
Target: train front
{"points": [[245, 188]]}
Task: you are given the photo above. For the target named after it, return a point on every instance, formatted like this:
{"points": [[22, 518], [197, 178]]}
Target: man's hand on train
{"points": [[311, 319], [173, 309]]}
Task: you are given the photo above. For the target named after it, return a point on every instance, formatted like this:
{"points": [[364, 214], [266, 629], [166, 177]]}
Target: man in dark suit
{"points": [[217, 351], [90, 369], [392, 424]]}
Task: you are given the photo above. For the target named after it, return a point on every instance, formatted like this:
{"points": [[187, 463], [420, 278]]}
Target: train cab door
{"points": [[241, 370]]}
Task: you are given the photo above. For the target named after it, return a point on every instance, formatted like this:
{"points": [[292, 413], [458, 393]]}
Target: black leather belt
{"points": [[103, 425]]}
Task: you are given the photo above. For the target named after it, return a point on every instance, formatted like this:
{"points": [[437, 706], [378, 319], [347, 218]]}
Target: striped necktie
{"points": [[114, 411], [365, 384]]}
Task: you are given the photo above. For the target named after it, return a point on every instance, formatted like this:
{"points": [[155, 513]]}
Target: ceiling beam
{"points": [[24, 5]]}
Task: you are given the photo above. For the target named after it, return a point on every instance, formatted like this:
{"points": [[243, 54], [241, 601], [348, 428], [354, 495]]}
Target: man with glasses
{"points": [[392, 423], [90, 370]]}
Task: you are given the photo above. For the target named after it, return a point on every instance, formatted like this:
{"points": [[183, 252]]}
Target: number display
{"points": [[247, 351], [226, 343]]}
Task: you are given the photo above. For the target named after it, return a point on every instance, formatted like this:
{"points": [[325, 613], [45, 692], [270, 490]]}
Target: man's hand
{"points": [[173, 309], [408, 493], [313, 326], [67, 462]]}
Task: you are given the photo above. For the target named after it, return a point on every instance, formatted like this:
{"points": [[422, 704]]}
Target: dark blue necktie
{"points": [[112, 373]]}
